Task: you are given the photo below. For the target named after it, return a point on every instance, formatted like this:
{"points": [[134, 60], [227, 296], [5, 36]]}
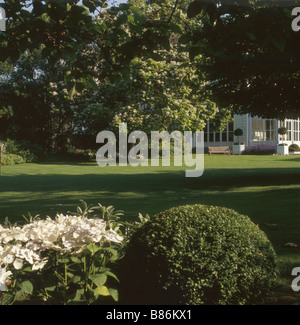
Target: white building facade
{"points": [[256, 131]]}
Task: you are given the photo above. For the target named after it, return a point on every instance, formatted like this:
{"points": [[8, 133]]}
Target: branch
{"points": [[173, 11]]}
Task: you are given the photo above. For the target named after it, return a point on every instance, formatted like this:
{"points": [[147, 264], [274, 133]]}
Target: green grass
{"points": [[266, 188]]}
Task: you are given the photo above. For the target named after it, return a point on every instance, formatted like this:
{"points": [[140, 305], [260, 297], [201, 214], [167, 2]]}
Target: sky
{"points": [[121, 1]]}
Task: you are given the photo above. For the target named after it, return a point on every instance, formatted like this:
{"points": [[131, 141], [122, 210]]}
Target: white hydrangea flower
{"points": [[18, 263], [39, 265], [4, 277], [8, 258], [65, 234]]}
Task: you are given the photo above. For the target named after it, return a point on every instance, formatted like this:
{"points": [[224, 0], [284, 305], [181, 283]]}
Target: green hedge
{"points": [[198, 254], [11, 159], [294, 147], [29, 151]]}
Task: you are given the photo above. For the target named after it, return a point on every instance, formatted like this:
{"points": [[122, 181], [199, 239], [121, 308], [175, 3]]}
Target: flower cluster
{"points": [[261, 149], [65, 234]]}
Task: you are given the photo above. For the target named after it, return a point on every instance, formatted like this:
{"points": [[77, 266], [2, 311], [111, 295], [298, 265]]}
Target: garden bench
{"points": [[219, 150]]}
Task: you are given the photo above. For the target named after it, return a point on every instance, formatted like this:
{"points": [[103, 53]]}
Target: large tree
{"points": [[116, 61], [35, 104], [249, 52], [251, 55], [158, 89]]}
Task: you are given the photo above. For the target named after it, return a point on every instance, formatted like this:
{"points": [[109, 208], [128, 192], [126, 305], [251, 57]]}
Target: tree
{"points": [[158, 89], [250, 55], [238, 133], [115, 61], [282, 131], [35, 103]]}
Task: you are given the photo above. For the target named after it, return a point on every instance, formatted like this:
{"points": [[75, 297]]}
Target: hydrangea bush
{"points": [[63, 260]]}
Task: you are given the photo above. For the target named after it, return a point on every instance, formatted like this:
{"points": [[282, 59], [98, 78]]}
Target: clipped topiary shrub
{"points": [[238, 133], [198, 254], [294, 147]]}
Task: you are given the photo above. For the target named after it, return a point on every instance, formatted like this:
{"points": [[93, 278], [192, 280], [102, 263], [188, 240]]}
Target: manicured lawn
{"points": [[266, 188]]}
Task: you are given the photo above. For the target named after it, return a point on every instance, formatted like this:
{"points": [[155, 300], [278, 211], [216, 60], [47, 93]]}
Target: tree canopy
{"points": [[153, 64], [126, 64], [251, 55]]}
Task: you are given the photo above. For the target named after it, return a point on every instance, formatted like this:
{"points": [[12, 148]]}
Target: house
{"points": [[255, 131]]}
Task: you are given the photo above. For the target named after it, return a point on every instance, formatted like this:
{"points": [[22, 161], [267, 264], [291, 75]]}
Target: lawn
{"points": [[266, 188]]}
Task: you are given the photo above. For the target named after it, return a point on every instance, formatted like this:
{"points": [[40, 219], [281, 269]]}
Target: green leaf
{"points": [[114, 253], [112, 275], [98, 279], [6, 299], [102, 291], [19, 295], [138, 15], [76, 279], [91, 82], [89, 4], [93, 248], [114, 293], [63, 260], [78, 296], [75, 259], [50, 282], [26, 287], [72, 92], [195, 8]]}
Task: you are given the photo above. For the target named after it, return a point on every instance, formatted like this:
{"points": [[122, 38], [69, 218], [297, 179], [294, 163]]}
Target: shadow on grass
{"points": [[152, 192], [68, 163], [228, 178], [293, 158]]}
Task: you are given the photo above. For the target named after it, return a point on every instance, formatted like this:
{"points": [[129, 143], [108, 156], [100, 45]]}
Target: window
{"points": [[224, 136], [270, 127], [289, 129], [288, 124], [257, 129], [205, 133], [230, 131], [296, 130], [218, 136]]}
